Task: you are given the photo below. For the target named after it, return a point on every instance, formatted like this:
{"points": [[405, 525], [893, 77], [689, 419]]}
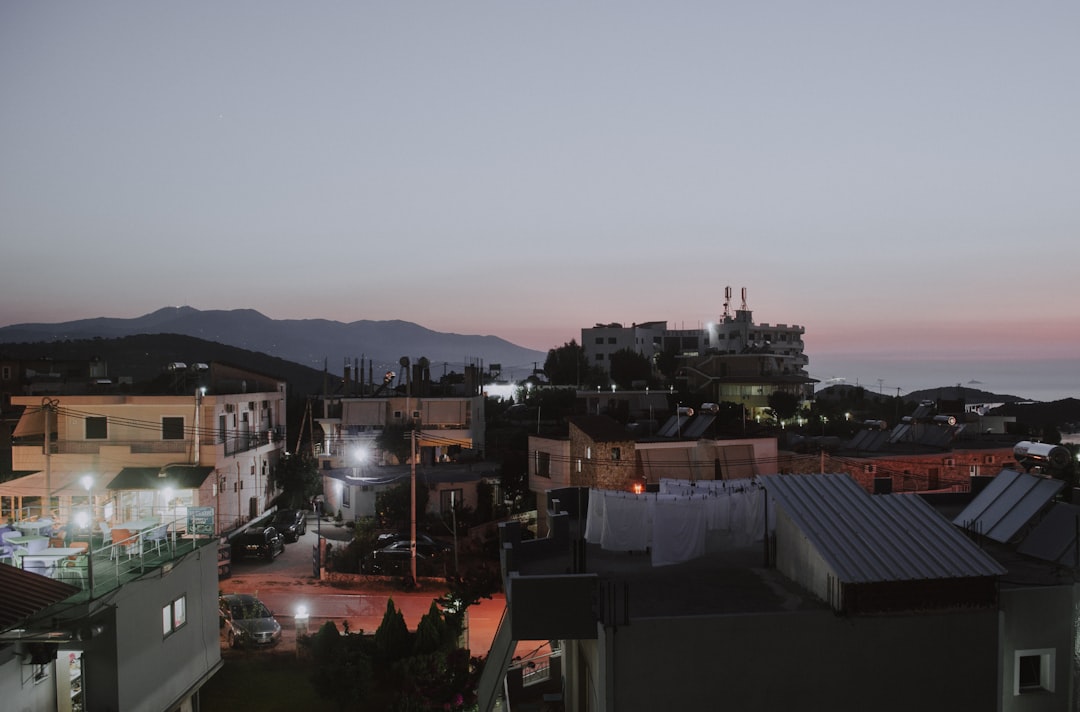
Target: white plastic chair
{"points": [[106, 533], [156, 537]]}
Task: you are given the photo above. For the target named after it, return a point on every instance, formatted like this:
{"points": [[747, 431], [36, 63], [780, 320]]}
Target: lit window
{"points": [[173, 616]]}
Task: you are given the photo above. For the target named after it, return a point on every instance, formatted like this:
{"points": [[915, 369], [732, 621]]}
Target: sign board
{"points": [[200, 521]]}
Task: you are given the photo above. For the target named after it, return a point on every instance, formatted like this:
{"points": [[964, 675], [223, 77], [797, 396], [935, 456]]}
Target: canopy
{"points": [[147, 478]]}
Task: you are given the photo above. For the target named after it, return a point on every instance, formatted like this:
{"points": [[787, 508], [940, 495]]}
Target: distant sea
{"points": [[1037, 379]]}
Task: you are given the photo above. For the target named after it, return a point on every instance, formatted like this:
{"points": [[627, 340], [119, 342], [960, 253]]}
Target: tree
{"points": [[342, 671], [392, 638], [629, 367], [566, 365], [396, 440], [392, 505], [784, 405], [297, 475]]}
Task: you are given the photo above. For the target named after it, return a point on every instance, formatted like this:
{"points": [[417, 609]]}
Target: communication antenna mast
{"points": [[744, 307], [727, 302]]}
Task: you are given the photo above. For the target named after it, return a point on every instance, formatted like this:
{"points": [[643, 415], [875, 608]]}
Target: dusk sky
{"points": [[902, 179]]}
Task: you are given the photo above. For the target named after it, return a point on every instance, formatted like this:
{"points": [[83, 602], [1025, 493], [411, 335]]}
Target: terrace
{"points": [[100, 564]]}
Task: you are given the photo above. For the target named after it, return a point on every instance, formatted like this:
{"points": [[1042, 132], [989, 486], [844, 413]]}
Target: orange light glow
{"points": [[638, 488]]}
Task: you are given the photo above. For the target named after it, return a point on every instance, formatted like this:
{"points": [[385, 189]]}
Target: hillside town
{"points": [[664, 518]]}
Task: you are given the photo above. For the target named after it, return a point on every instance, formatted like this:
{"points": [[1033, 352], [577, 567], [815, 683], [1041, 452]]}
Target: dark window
{"points": [[97, 428], [543, 464], [611, 339], [346, 496], [616, 453], [599, 339], [599, 357], [172, 428], [1029, 670]]}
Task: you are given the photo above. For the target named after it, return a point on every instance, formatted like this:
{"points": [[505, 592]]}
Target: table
{"points": [[137, 525], [44, 561], [30, 528], [33, 544]]}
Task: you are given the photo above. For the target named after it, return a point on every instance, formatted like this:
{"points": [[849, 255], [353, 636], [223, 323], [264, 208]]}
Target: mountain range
{"points": [[314, 343]]}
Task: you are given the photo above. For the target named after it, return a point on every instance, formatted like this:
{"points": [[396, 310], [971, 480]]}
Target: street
{"points": [[287, 583]]}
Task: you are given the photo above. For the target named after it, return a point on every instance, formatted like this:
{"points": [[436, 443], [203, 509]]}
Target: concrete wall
{"points": [[797, 661], [155, 670], [1039, 619]]}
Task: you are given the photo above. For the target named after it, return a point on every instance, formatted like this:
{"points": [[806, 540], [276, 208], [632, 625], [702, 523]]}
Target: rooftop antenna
{"points": [[727, 303], [744, 307]]}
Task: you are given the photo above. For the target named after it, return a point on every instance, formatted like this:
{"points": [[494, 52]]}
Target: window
{"points": [[616, 453], [172, 428], [5, 373], [346, 496], [869, 469], [588, 452], [173, 616], [448, 499], [599, 357], [543, 464], [1033, 671], [599, 339], [97, 427], [988, 460], [397, 415], [579, 465], [933, 477], [611, 339]]}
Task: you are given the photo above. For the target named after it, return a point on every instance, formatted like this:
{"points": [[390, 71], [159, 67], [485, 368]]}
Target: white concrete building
{"points": [[151, 454]]}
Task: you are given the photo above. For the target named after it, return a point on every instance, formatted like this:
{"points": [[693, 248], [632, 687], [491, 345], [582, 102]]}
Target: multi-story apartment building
{"points": [[731, 360], [151, 453], [603, 340], [448, 429]]}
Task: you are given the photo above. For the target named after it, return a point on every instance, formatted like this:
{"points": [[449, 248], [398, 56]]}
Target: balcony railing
{"points": [[233, 444]]}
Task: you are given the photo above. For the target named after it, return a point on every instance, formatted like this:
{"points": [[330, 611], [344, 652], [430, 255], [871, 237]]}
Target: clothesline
{"points": [[674, 524]]}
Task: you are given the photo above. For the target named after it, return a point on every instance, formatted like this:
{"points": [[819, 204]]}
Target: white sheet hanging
{"points": [[678, 530], [626, 523]]}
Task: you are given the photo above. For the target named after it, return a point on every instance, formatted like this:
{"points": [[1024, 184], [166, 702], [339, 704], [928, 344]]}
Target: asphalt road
{"points": [[288, 582]]}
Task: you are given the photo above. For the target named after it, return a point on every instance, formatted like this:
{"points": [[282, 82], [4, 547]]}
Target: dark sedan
{"points": [[432, 548], [290, 522], [260, 542]]}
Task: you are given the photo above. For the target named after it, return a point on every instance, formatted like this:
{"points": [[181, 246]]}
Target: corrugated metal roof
{"points": [[1007, 504], [868, 539], [23, 593]]}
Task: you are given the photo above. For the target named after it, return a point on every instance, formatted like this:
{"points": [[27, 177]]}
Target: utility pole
{"points": [[412, 503], [46, 407]]}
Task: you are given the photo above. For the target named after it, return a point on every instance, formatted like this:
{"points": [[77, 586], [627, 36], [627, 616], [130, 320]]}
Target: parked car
{"points": [[396, 560], [247, 621], [262, 542], [292, 523], [424, 544]]}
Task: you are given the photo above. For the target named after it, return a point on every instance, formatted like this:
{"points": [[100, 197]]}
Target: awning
{"points": [[62, 483], [152, 478], [32, 422]]}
